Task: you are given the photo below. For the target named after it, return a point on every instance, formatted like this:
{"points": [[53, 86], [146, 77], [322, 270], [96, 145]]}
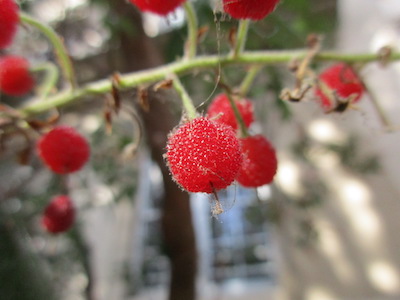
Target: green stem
{"points": [[191, 44], [50, 79], [59, 48], [241, 37], [187, 102], [248, 80], [387, 124], [238, 116], [131, 80]]}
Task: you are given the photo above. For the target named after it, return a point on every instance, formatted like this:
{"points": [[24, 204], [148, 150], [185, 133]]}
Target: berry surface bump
{"points": [[159, 7], [9, 20], [249, 9], [203, 156], [59, 215], [15, 79], [63, 150], [343, 80], [220, 110], [259, 162]]}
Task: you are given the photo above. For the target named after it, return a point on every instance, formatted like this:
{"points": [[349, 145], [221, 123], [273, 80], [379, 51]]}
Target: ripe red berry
{"points": [[249, 9], [15, 79], [259, 162], [343, 80], [63, 150], [221, 109], [9, 19], [203, 156], [160, 7], [59, 214]]}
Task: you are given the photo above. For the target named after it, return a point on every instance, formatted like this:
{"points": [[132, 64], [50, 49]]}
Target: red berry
{"points": [[59, 214], [15, 79], [259, 162], [221, 109], [203, 156], [63, 150], [342, 79], [249, 9], [160, 7], [9, 19]]}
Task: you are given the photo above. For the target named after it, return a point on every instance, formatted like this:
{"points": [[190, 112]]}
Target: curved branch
{"points": [[131, 80]]}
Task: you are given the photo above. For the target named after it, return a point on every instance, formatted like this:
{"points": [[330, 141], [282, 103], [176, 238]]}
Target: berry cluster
{"points": [[159, 7], [337, 86], [63, 150], [205, 155]]}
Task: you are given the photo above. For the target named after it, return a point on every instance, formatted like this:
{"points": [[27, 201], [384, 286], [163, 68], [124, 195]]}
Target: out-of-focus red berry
{"points": [[160, 7], [59, 214], [259, 162], [249, 9], [343, 80], [15, 79], [63, 150], [9, 20], [220, 110]]}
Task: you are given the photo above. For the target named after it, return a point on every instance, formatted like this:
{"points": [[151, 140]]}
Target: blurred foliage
{"points": [[349, 153], [21, 272]]}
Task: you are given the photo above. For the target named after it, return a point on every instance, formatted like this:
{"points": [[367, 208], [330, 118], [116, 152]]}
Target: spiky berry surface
{"points": [[9, 19], [220, 110], [160, 7], [249, 9], [259, 162], [63, 150], [203, 156], [15, 79], [341, 78], [59, 214]]}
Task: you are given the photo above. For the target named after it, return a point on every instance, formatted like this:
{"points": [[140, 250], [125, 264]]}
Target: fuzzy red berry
{"points": [[15, 79], [63, 150], [249, 9], [9, 19], [343, 80], [221, 109], [259, 162], [203, 156], [59, 214], [160, 7]]}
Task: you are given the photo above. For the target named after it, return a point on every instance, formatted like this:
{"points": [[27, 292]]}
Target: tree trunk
{"points": [[139, 52]]}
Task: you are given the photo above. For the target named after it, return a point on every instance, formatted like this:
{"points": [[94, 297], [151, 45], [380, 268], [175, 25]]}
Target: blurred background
{"points": [[326, 229]]}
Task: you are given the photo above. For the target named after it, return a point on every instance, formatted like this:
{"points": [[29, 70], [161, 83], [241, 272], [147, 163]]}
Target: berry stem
{"points": [[241, 37], [387, 124], [187, 102], [59, 47], [191, 43], [134, 79], [248, 80], [50, 80], [238, 116]]}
